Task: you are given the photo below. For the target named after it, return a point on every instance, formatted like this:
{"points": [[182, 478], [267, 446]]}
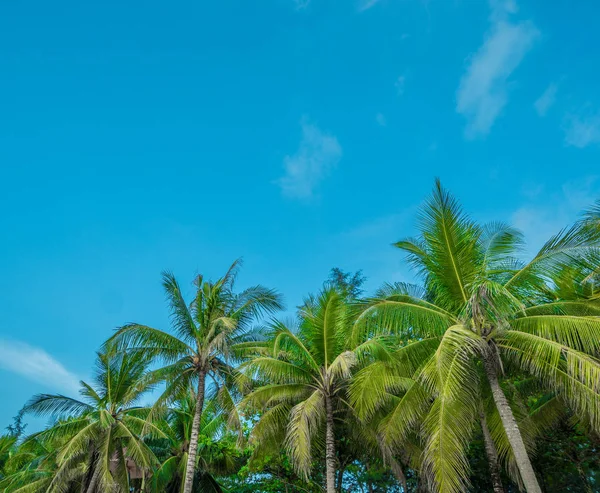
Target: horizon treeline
{"points": [[484, 376]]}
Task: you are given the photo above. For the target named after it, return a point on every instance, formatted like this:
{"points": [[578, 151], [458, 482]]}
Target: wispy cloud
{"points": [[367, 4], [582, 129], [482, 92], [36, 365], [381, 119], [317, 155], [546, 100]]}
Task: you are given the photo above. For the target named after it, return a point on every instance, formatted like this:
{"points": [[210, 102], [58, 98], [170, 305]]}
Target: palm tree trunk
{"points": [[94, 481], [329, 447], [193, 448], [511, 428], [492, 455]]}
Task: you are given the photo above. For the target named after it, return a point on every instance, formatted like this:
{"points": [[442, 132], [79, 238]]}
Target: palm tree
{"points": [[302, 374], [482, 311], [202, 344], [94, 438]]}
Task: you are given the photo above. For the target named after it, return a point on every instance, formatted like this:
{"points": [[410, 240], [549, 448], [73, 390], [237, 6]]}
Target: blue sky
{"points": [[298, 134]]}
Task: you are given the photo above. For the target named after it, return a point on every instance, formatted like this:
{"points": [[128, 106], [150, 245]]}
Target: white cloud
{"points": [[582, 130], [367, 4], [482, 92], [36, 365], [381, 119], [546, 100], [317, 155], [400, 82]]}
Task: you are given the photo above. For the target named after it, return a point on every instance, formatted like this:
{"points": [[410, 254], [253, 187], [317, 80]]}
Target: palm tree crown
{"points": [[204, 342], [304, 372], [98, 434]]}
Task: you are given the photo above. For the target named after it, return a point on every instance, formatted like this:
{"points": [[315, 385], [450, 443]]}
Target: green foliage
{"points": [[417, 388]]}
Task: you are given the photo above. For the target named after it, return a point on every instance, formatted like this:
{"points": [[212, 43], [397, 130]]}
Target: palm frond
{"points": [[181, 318], [58, 406], [449, 423], [577, 332], [305, 419], [154, 343], [575, 376]]}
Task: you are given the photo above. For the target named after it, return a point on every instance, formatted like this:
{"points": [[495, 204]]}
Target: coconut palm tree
{"points": [[303, 373], [92, 439], [202, 343], [480, 312]]}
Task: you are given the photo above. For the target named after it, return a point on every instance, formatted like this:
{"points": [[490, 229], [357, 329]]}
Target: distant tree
{"points": [[349, 284], [17, 427]]}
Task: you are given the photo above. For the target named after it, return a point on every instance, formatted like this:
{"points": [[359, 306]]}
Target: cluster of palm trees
{"points": [[406, 377]]}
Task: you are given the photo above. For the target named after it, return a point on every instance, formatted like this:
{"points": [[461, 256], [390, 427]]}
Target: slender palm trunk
{"points": [[492, 455], [512, 429], [94, 481], [193, 449], [329, 447]]}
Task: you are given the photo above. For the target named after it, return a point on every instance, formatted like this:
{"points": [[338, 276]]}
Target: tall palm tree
{"points": [[482, 310], [303, 373], [201, 344], [94, 437]]}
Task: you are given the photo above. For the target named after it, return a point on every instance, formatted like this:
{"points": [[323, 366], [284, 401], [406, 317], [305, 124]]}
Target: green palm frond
{"points": [[136, 449], [404, 316], [285, 340], [268, 434], [341, 367], [580, 308], [405, 415], [576, 245], [499, 242], [277, 371], [272, 394], [380, 379], [181, 318], [256, 302], [573, 374], [449, 423], [305, 419], [577, 332], [152, 342], [59, 406]]}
